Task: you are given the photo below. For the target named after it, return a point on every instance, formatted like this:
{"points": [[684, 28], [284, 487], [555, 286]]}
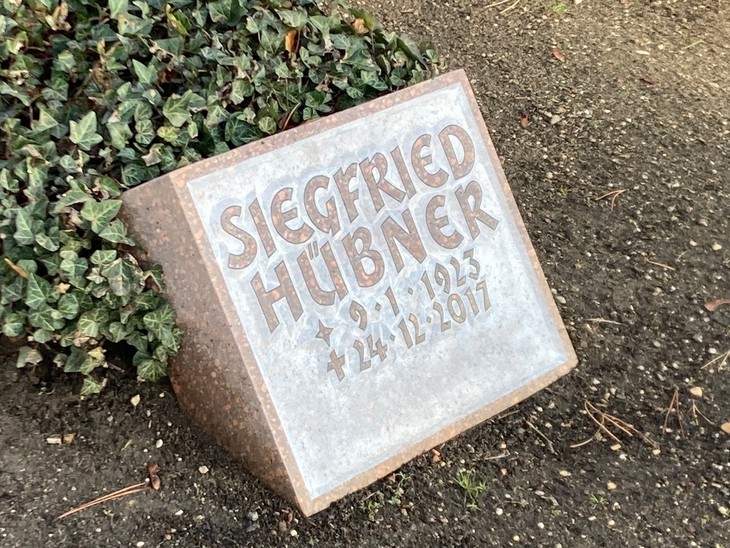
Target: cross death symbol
{"points": [[335, 364]]}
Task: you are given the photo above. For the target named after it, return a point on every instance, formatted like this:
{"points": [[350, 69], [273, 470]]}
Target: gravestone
{"points": [[353, 292]]}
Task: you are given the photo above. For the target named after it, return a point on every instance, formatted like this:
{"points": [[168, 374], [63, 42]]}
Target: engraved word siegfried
{"points": [[367, 264]]}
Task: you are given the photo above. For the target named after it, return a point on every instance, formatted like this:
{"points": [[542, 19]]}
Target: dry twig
{"points": [[674, 406], [152, 481], [613, 194], [605, 422], [722, 358], [543, 436]]}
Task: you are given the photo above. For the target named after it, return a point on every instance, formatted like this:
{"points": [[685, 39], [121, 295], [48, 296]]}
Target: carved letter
{"points": [[379, 184], [238, 262], [405, 175], [475, 213], [410, 239], [329, 223], [436, 224], [285, 290], [263, 229], [321, 296], [349, 197], [364, 279], [421, 162], [279, 218], [458, 169]]}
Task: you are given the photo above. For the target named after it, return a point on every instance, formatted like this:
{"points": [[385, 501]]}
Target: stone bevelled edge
{"points": [[209, 360], [181, 177]]}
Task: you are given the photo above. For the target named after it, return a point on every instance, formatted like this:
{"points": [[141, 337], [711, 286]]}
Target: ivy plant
{"points": [[97, 97]]}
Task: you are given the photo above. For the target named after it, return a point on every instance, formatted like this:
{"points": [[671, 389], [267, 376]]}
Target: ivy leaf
{"points": [[120, 276], [24, 227], [46, 318], [116, 232], [176, 109], [13, 325], [100, 214], [117, 7], [28, 355], [149, 369], [39, 293], [92, 386], [44, 123], [90, 323], [83, 133], [161, 323], [120, 134], [146, 74], [69, 305]]}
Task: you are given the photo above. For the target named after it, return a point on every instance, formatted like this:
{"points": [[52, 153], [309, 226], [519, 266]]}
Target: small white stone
{"points": [[179, 513], [134, 400], [565, 473], [516, 538], [294, 533], [611, 523], [140, 544], [611, 486], [540, 525], [716, 246], [158, 444], [499, 511], [203, 469]]}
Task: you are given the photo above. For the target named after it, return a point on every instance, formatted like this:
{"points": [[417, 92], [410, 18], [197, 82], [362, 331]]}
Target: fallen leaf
{"points": [[524, 120], [290, 42], [557, 54], [647, 80], [359, 27], [726, 428], [712, 306]]}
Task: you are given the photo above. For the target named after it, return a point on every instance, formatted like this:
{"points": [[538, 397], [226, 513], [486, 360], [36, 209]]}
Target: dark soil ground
{"points": [[636, 98]]}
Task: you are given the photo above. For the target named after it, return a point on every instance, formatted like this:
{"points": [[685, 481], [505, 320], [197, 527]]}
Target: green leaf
{"points": [[117, 7], [240, 90], [69, 305], [267, 125], [161, 323], [120, 276], [116, 233], [46, 318], [83, 133], [120, 134], [176, 110], [100, 214], [24, 227], [39, 293], [145, 132], [151, 370], [90, 323], [13, 325], [146, 74], [92, 386], [45, 122]]}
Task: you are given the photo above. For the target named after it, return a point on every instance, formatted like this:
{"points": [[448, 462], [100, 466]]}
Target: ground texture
{"points": [[612, 118]]}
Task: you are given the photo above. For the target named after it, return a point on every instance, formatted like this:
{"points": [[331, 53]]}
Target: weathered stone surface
{"points": [[353, 292]]}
